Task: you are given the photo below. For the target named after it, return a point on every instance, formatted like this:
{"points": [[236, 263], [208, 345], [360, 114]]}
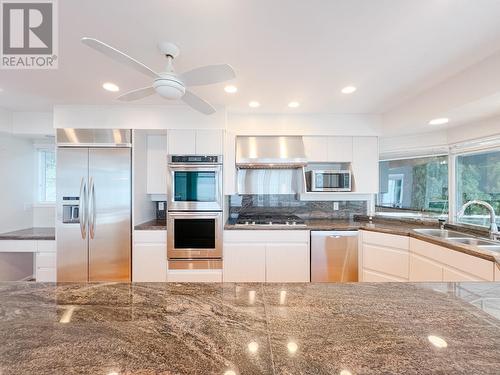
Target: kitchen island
{"points": [[232, 329]]}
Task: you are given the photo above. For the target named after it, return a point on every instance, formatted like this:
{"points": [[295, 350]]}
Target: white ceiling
{"points": [[281, 50]]}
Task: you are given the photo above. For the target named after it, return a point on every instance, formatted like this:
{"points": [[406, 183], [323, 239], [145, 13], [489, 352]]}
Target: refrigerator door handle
{"points": [[82, 208], [92, 213]]}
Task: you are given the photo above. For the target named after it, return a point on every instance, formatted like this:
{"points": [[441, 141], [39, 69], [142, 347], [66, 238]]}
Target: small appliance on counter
{"points": [[329, 180], [161, 210]]}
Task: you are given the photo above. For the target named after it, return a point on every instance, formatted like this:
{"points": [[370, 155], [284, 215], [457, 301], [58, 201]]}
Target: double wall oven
{"points": [[194, 219]]}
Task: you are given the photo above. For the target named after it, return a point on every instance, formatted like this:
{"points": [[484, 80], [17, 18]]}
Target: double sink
{"points": [[462, 238]]}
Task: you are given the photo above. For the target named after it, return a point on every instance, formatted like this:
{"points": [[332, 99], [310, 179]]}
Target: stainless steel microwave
{"points": [[329, 180]]}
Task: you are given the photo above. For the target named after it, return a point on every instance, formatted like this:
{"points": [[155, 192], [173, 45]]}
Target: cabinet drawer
{"points": [[149, 262], [46, 260], [386, 240], [244, 262], [18, 246], [481, 268], [150, 236], [373, 277], [389, 261], [46, 246], [246, 236], [424, 269], [195, 276]]}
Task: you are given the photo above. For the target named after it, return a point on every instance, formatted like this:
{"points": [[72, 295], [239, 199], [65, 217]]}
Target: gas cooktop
{"points": [[274, 220]]}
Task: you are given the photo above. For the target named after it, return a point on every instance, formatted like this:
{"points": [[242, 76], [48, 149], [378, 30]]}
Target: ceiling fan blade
{"points": [[206, 75], [197, 103], [137, 94], [118, 56]]}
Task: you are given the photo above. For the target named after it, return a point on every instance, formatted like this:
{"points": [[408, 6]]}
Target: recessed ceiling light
{"points": [[439, 121], [254, 104], [230, 89], [293, 104], [253, 347], [437, 341], [292, 347], [348, 89], [109, 86]]}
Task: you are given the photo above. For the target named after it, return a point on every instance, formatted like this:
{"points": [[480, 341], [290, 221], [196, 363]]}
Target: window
{"points": [[478, 177], [46, 176], [417, 184]]}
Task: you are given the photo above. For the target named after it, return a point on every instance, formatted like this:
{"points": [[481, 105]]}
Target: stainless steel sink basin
{"points": [[442, 233], [473, 241]]}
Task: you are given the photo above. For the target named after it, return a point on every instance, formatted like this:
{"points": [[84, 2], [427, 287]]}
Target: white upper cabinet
{"points": [[339, 149], [365, 164], [182, 142], [157, 164], [190, 142], [209, 142], [316, 148]]}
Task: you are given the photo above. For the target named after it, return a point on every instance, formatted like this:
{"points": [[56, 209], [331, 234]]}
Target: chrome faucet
{"points": [[494, 233]]}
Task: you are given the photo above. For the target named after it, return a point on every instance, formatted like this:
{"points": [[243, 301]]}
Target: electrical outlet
{"points": [[335, 206]]}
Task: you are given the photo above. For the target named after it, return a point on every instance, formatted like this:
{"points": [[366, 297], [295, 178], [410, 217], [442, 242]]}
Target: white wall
{"points": [[478, 129], [5, 121], [439, 140], [44, 215], [18, 180], [32, 123], [314, 124], [136, 117]]}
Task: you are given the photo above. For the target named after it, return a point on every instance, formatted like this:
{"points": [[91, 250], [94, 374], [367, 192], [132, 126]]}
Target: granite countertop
{"points": [[152, 225], [389, 226], [171, 328], [48, 234]]}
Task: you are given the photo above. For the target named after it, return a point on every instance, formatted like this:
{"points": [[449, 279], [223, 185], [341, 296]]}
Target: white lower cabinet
{"points": [[244, 262], [424, 269], [266, 256], [386, 257], [45, 261], [149, 256], [431, 262], [383, 257], [287, 262]]}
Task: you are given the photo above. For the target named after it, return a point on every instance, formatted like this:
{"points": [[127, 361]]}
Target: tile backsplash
{"points": [[280, 204]]}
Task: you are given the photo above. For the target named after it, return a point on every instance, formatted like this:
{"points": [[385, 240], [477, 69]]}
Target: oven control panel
{"points": [[195, 159]]}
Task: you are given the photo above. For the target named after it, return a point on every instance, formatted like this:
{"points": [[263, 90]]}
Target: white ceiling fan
{"points": [[168, 84]]}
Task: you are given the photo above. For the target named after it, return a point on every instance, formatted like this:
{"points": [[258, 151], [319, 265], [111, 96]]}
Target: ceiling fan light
{"points": [[169, 89]]}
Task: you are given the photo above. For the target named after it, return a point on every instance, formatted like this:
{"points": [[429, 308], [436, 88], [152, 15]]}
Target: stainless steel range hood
{"points": [[270, 152]]}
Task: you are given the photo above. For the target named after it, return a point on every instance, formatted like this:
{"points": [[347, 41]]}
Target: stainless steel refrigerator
{"points": [[93, 216]]}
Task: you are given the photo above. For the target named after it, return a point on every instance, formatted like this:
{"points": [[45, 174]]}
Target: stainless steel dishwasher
{"points": [[334, 256]]}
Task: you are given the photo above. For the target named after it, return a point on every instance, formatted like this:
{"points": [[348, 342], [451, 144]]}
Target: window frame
{"points": [[456, 150], [40, 176], [439, 153], [454, 154]]}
